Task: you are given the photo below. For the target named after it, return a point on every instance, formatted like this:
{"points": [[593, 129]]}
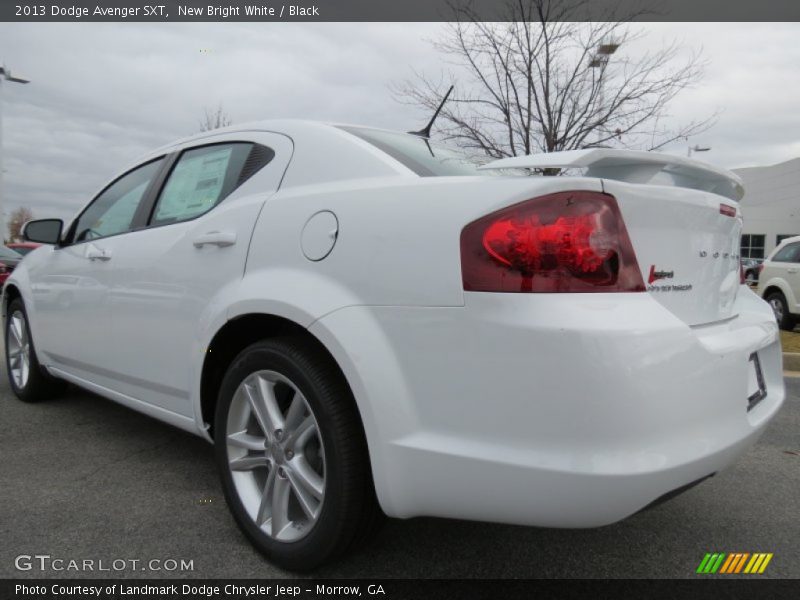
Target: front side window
{"points": [[113, 210], [203, 177], [790, 253]]}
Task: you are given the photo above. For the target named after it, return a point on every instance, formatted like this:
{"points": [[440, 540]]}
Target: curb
{"points": [[791, 361]]}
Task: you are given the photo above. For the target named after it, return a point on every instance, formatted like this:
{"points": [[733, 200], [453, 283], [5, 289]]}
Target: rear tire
{"points": [[28, 379], [780, 308], [292, 455]]}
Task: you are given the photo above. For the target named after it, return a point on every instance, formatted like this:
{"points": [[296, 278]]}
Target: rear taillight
{"points": [[742, 277], [562, 242]]}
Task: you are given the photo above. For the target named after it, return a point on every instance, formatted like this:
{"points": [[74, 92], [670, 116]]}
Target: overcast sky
{"points": [[104, 93]]}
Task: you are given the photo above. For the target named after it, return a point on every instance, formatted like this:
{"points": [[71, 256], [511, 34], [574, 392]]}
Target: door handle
{"points": [[792, 270], [220, 239], [95, 253]]}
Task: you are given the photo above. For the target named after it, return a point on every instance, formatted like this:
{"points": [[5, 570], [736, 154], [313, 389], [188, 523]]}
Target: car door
{"points": [[195, 244], [71, 283]]}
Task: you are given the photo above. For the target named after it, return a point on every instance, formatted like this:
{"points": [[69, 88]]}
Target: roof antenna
{"points": [[426, 133]]}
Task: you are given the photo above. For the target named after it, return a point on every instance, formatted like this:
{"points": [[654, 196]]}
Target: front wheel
{"points": [[292, 454], [28, 379]]}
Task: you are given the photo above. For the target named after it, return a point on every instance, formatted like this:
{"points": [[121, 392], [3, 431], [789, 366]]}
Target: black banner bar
{"points": [[382, 10], [393, 589]]}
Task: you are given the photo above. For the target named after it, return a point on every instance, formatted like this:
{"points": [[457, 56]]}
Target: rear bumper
{"points": [[574, 410]]}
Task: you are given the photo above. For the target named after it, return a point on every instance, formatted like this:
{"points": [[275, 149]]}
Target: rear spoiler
{"points": [[635, 167]]}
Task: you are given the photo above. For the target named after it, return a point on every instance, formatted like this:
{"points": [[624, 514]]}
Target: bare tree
{"points": [[542, 83], [19, 216], [214, 119]]}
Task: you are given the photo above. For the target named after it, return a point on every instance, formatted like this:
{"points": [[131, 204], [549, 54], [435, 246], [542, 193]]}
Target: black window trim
{"points": [[142, 217]]}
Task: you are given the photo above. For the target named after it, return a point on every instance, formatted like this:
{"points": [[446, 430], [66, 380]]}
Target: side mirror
{"points": [[43, 231]]}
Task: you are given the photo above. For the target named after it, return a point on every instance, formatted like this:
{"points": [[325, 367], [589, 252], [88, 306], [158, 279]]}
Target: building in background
{"points": [[770, 207]]}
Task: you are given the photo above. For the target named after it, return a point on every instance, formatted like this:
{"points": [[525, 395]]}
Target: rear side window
{"points": [[790, 253], [203, 177]]}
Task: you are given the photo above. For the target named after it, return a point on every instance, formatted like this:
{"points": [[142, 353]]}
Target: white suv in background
{"points": [[779, 282]]}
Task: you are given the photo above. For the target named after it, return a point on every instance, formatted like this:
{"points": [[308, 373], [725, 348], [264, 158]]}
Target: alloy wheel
{"points": [[777, 308], [276, 456], [19, 349]]}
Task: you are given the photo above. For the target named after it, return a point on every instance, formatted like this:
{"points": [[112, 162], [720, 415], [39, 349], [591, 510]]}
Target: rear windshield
{"points": [[424, 157]]}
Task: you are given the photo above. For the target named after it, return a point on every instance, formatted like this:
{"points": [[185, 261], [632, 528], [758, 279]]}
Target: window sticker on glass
{"points": [[194, 185]]}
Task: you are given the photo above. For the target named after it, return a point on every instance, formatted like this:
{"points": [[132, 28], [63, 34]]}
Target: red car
{"points": [[9, 259], [23, 247], [4, 273]]}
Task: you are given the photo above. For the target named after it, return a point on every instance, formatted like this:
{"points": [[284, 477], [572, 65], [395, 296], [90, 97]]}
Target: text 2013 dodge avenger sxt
{"points": [[365, 322]]}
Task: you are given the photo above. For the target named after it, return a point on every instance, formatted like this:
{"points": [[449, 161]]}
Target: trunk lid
{"points": [[682, 217], [687, 245]]}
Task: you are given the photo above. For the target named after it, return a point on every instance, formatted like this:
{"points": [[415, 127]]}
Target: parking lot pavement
{"points": [[84, 478]]}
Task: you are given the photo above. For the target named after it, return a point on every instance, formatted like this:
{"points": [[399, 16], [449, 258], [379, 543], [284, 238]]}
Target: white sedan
{"points": [[366, 322]]}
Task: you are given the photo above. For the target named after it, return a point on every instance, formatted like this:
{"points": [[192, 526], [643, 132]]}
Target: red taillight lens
{"points": [[562, 242], [742, 277]]}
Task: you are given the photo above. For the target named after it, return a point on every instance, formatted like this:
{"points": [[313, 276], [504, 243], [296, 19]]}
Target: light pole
{"points": [[600, 61], [696, 148], [5, 75]]}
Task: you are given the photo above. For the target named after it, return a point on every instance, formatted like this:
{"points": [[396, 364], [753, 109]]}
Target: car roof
{"points": [[289, 127], [789, 240], [784, 242]]}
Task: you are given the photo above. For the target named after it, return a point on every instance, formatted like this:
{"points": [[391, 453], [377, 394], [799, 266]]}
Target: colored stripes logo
{"points": [[735, 562]]}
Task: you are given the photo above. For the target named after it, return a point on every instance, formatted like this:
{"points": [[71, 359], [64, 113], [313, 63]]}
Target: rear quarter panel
{"points": [[398, 245], [398, 241]]}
